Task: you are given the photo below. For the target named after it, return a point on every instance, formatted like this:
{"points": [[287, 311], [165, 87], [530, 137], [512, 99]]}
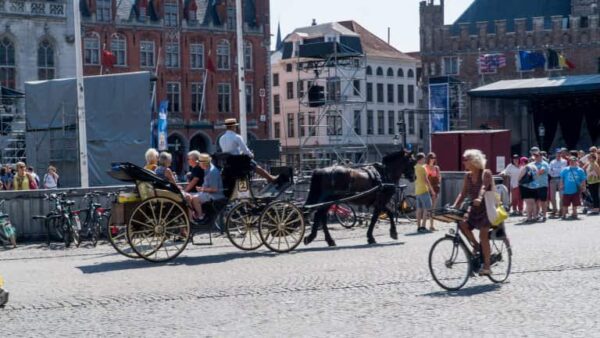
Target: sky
{"points": [[402, 16]]}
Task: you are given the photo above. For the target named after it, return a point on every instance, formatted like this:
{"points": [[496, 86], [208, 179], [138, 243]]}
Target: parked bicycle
{"points": [[452, 261], [61, 222], [95, 217], [403, 204], [344, 214], [8, 234]]}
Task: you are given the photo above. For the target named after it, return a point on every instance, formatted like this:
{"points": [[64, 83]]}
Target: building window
{"points": [[390, 93], [369, 92], [400, 93], [390, 72], [276, 80], [369, 70], [224, 98], [171, 16], [333, 89], [223, 55], [301, 126], [174, 97], [411, 122], [231, 18], [357, 122], [300, 88], [334, 124], [450, 65], [289, 67], [276, 104], [411, 94], [380, 122], [197, 55], [147, 54], [379, 71], [370, 122], [356, 90], [197, 95], [289, 90], [249, 98], [248, 55], [172, 55], [290, 125], [391, 122], [411, 73], [118, 46], [8, 71], [91, 49], [103, 10], [277, 130], [400, 72], [46, 70], [312, 128], [380, 93]]}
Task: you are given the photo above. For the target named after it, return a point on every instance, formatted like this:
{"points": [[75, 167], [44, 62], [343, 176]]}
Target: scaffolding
{"points": [[330, 105], [12, 132]]}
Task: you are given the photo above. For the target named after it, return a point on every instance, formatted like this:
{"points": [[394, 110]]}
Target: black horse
{"points": [[334, 183]]}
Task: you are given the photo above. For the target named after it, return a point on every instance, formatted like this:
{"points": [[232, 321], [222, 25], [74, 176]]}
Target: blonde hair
{"points": [[21, 165], [476, 157], [151, 154]]}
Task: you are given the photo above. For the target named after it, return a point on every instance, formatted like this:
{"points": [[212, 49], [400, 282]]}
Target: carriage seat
{"points": [[234, 166]]}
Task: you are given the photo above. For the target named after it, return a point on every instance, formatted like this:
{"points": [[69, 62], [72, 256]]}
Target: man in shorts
{"points": [[572, 184], [211, 189], [423, 193], [541, 183]]}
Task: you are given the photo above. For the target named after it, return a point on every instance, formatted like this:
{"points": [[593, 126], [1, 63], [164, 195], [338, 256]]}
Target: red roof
{"points": [[372, 44]]}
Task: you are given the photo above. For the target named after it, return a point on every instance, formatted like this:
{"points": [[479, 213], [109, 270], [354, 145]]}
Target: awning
{"points": [[525, 88], [8, 93]]}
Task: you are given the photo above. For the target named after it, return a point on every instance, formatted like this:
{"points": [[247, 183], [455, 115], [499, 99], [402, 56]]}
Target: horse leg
{"points": [[328, 238], [315, 227], [393, 232], [374, 218]]}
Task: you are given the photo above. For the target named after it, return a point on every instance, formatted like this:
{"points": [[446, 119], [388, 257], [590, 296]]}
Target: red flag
{"points": [[108, 58], [210, 66]]}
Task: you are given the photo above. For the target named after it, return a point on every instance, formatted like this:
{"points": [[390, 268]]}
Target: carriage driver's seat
{"points": [[233, 167]]}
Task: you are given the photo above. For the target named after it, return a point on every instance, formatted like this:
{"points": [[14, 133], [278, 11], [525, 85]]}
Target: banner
{"points": [[162, 125], [438, 107]]}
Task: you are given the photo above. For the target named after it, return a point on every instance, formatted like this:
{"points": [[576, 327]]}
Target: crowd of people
{"points": [[22, 177]]}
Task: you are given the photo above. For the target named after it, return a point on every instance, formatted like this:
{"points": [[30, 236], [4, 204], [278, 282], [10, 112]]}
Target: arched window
{"points": [[91, 49], [45, 61], [390, 72], [223, 55], [400, 72], [248, 55], [379, 71], [411, 73], [369, 70], [8, 69], [118, 46]]}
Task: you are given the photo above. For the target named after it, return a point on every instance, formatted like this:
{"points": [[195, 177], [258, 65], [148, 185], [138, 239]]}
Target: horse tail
{"points": [[314, 192]]}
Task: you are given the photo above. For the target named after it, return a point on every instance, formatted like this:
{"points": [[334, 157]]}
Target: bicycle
{"points": [[61, 222], [95, 215], [344, 214], [7, 231], [403, 205], [452, 261]]}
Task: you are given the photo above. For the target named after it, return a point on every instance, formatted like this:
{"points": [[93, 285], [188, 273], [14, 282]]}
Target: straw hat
{"points": [[204, 158], [231, 122]]}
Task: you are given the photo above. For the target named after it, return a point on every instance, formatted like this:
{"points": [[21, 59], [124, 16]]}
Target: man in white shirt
{"points": [[556, 166], [232, 143]]}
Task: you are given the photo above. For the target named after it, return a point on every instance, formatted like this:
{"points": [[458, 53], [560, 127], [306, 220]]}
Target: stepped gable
{"points": [[372, 44]]}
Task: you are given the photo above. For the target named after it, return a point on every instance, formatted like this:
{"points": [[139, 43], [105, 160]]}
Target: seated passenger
{"points": [[151, 159], [163, 170], [211, 189]]}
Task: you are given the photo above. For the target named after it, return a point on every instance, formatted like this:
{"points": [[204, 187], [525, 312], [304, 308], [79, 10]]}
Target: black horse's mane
{"points": [[391, 157]]}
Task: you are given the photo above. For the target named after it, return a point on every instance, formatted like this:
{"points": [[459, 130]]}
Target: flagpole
{"points": [[241, 70], [81, 119], [203, 95]]}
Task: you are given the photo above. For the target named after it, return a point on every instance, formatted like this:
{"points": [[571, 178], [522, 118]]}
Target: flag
{"points": [[108, 58], [530, 60], [565, 63], [489, 63], [162, 125], [553, 59], [210, 66]]}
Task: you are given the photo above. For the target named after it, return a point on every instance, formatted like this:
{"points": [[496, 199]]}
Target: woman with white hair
{"points": [[477, 181], [163, 170], [151, 159]]}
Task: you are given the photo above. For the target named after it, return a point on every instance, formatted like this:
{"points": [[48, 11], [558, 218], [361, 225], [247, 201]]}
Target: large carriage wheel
{"points": [[159, 229], [281, 226], [117, 237], [242, 227]]}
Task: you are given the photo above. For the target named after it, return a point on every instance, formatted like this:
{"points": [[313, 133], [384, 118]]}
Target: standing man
{"points": [[556, 166], [197, 177], [572, 184], [541, 183], [423, 193]]}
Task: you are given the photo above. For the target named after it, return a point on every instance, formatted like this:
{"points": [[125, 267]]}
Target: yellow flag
{"points": [[562, 61]]}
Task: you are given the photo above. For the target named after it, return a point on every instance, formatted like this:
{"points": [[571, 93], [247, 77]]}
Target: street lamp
{"points": [[396, 139], [542, 133]]}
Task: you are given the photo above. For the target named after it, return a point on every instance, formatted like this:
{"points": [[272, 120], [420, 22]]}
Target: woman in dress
{"points": [[435, 179]]}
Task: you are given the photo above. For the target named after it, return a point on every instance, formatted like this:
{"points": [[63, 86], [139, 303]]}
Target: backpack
{"points": [[528, 177]]}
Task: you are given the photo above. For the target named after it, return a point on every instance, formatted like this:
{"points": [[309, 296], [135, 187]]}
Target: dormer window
{"points": [[171, 14], [103, 10]]}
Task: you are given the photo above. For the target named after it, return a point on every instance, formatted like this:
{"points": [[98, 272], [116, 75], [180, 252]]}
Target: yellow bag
{"points": [[502, 215], [494, 209]]}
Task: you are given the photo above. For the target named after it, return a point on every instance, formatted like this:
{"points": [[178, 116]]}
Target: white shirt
{"points": [[556, 166], [513, 171], [232, 143]]}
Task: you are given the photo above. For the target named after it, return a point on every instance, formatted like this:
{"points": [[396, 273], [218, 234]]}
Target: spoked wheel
{"points": [[501, 259], [75, 227], [117, 237], [449, 263], [242, 227], [66, 231], [159, 229], [408, 207], [95, 231], [345, 215], [281, 226]]}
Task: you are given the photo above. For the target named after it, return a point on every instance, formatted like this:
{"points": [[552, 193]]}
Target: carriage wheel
{"points": [[159, 229], [281, 226], [117, 237], [242, 227]]}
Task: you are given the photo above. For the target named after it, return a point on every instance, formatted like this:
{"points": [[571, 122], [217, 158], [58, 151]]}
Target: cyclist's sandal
{"points": [[485, 272]]}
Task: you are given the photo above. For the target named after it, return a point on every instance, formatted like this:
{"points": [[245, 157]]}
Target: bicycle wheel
{"points": [[241, 226], [65, 225], [345, 215], [408, 207], [95, 231], [501, 259], [449, 263], [75, 226], [116, 233]]}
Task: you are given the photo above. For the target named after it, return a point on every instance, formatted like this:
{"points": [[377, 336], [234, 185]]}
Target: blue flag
{"points": [[531, 60], [162, 125]]}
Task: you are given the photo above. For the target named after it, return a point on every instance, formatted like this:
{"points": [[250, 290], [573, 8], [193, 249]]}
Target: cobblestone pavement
{"points": [[351, 290]]}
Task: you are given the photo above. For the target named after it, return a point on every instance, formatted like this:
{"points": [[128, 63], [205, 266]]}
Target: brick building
{"points": [[180, 40], [450, 53]]}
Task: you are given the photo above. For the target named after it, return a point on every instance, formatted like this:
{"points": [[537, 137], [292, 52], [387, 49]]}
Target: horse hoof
{"points": [[331, 243], [394, 235], [308, 239], [372, 241]]}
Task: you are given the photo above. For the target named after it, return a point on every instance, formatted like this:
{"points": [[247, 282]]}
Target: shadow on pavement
{"points": [[466, 292], [345, 247]]}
